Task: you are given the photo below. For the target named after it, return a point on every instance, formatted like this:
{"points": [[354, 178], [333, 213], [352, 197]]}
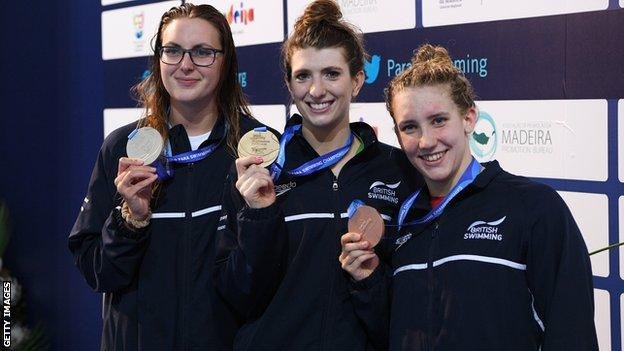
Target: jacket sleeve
{"points": [[251, 254], [371, 302], [106, 252], [560, 278]]}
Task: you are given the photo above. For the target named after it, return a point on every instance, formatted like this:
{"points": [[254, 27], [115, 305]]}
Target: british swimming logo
{"points": [[485, 230], [382, 191], [484, 138]]}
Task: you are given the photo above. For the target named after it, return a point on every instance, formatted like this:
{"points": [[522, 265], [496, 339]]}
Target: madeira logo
{"points": [[371, 69], [484, 138], [485, 230], [240, 15], [382, 191]]}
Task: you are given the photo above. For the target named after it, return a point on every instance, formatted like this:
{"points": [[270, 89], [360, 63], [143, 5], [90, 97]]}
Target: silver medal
{"points": [[146, 144]]}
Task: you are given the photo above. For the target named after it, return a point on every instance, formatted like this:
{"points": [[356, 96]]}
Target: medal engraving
{"points": [[259, 143], [367, 222], [146, 145]]}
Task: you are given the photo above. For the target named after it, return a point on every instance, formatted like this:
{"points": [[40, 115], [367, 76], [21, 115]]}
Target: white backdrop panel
{"points": [[602, 318], [591, 213], [116, 117], [273, 116], [546, 138], [445, 12], [368, 15], [252, 21], [621, 139], [127, 32]]}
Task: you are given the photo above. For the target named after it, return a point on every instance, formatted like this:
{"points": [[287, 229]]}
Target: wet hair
{"points": [[231, 103], [432, 65], [321, 26]]}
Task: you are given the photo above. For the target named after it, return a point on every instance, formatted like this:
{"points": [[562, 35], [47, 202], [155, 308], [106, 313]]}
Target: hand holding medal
{"points": [[368, 222], [145, 144], [261, 143], [257, 149], [366, 227], [134, 175]]}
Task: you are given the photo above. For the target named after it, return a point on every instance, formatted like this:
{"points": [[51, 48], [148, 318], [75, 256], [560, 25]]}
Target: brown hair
{"points": [[321, 26], [432, 65], [231, 102]]}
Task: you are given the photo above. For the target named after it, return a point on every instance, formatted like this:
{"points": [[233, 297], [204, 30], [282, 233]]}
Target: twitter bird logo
{"points": [[372, 68]]}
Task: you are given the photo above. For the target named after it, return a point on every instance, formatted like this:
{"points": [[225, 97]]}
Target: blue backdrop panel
{"points": [[260, 74], [55, 86]]}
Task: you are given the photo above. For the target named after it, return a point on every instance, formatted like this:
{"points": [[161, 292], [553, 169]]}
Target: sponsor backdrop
{"points": [[550, 93], [548, 90]]}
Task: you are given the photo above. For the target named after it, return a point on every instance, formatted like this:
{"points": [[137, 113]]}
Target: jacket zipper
{"points": [[324, 328], [430, 287], [187, 250]]}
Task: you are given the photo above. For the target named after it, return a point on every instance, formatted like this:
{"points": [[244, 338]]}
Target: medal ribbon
{"points": [[353, 207], [469, 175], [327, 160], [163, 163]]}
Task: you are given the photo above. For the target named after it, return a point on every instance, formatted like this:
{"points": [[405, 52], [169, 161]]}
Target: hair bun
{"points": [[317, 12], [429, 53]]}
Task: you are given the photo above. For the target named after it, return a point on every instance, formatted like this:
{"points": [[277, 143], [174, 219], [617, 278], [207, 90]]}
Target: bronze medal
{"points": [[368, 222]]}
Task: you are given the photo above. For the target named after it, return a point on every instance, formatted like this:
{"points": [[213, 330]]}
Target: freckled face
{"points": [[434, 134]]}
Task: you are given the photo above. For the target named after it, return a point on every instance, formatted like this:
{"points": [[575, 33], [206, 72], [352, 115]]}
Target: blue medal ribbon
{"points": [[469, 175], [164, 163], [353, 207], [327, 160], [278, 165]]}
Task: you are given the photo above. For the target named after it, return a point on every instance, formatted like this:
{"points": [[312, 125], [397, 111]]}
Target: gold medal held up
{"points": [[259, 143]]}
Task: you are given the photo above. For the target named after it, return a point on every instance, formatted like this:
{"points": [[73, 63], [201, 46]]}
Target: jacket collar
{"points": [[363, 131], [490, 171], [179, 140]]}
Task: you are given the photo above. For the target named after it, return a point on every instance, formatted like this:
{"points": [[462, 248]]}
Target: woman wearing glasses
{"points": [[484, 260], [144, 236], [278, 268]]}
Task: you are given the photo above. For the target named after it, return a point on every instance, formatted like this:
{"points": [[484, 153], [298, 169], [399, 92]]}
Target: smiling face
{"points": [[322, 87], [433, 132], [185, 82]]}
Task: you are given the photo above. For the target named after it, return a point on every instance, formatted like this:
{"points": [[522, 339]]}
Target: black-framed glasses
{"points": [[200, 56]]}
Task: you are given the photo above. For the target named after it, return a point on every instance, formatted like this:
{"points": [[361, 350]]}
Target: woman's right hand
{"points": [[134, 183], [254, 182], [357, 257]]}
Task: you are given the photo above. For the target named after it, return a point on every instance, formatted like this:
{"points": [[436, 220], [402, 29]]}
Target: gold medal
{"points": [[259, 143]]}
